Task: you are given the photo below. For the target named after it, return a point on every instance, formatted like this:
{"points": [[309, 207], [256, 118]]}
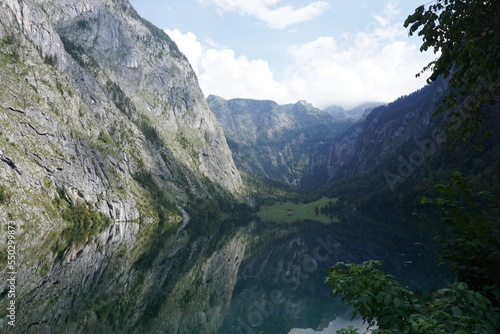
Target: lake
{"points": [[280, 285], [235, 276]]}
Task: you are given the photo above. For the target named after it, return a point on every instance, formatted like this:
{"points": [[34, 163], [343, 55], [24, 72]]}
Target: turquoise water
{"points": [[234, 276], [280, 284]]}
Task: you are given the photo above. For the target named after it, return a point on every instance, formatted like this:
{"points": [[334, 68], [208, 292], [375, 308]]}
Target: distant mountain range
{"points": [[356, 113], [379, 148], [298, 144], [275, 141]]}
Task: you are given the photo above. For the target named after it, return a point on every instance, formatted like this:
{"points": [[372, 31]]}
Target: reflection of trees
{"points": [[290, 259]]}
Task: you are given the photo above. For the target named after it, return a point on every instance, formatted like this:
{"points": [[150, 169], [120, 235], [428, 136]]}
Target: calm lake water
{"points": [[235, 276], [280, 284]]}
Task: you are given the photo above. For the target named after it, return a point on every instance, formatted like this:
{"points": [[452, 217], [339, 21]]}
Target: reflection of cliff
{"points": [[213, 278], [169, 281], [200, 300], [280, 286]]}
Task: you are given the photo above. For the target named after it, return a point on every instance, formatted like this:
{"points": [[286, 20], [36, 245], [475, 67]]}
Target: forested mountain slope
{"points": [[275, 141], [400, 151]]}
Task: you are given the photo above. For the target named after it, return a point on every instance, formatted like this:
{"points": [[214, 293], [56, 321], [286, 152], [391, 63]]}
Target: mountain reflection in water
{"points": [[280, 282], [234, 276]]}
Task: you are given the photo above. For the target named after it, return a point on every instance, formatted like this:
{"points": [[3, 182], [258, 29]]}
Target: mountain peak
{"points": [[304, 102], [214, 98]]}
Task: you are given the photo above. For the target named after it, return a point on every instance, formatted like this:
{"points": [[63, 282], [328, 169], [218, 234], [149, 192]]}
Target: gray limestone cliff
{"points": [[106, 140], [93, 94]]}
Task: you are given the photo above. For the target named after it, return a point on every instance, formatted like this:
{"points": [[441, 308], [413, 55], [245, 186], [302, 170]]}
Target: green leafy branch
{"points": [[465, 34], [473, 250], [383, 302]]}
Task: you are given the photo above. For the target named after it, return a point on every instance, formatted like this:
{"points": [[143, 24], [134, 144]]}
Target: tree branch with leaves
{"points": [[465, 34], [384, 304]]}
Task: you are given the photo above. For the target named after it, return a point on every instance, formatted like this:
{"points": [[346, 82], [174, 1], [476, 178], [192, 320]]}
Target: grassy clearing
{"points": [[289, 212]]}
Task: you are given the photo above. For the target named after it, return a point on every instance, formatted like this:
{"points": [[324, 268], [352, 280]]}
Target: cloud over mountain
{"points": [[266, 11], [376, 63]]}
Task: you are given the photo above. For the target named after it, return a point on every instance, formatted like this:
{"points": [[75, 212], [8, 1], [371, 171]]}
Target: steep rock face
{"points": [[148, 67], [91, 96], [305, 114], [273, 140], [102, 77], [245, 121], [99, 113], [387, 133]]}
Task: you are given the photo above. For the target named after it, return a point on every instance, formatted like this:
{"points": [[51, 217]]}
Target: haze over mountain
{"points": [[358, 112]]}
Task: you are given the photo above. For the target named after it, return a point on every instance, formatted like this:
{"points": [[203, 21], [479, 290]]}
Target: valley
{"points": [[138, 205]]}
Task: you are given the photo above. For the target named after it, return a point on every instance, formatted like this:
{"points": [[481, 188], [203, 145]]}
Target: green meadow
{"points": [[289, 212]]}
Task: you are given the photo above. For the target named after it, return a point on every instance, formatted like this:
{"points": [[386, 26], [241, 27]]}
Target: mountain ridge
{"points": [[273, 140], [358, 112], [392, 145]]}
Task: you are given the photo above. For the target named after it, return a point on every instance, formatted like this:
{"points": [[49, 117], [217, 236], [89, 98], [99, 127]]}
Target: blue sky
{"points": [[327, 52]]}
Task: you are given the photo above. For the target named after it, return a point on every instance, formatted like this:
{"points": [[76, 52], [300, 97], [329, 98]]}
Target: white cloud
{"points": [[376, 64], [230, 76], [276, 18], [221, 72]]}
